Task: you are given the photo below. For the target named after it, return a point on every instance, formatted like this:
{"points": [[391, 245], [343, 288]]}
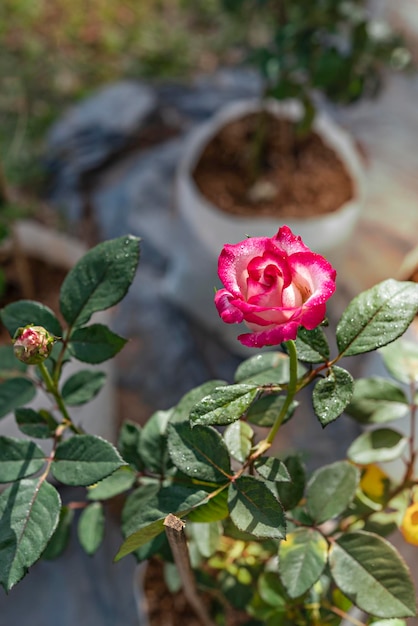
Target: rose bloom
{"points": [[409, 526], [274, 285]]}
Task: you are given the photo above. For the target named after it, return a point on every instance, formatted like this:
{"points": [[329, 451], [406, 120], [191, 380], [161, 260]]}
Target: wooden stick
{"points": [[174, 528]]}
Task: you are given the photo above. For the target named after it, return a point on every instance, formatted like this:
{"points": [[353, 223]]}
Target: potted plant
{"points": [[282, 159], [249, 537]]}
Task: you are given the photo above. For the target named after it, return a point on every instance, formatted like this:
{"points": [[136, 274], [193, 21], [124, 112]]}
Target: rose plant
{"points": [[334, 48], [202, 488]]}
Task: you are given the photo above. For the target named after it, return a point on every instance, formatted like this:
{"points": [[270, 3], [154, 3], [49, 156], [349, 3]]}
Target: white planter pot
{"points": [[193, 273], [98, 416], [213, 228]]}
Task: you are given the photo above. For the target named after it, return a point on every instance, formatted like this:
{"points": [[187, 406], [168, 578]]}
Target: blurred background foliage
{"points": [[54, 52]]}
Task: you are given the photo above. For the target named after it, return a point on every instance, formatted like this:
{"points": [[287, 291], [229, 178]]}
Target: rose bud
{"points": [[32, 344], [275, 285]]}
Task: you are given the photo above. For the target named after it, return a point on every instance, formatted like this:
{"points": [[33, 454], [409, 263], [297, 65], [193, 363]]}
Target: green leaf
{"points": [[199, 452], [84, 460], [265, 369], [26, 312], [29, 514], [214, 510], [224, 405], [377, 316], [141, 507], [272, 469], [206, 537], [14, 393], [389, 622], [238, 439], [254, 509], [19, 458], [271, 590], [153, 442], [120, 481], [140, 538], [331, 489], [401, 360], [128, 444], [332, 394], [302, 559], [369, 571], [91, 527], [264, 411], [146, 508], [312, 345], [377, 400], [291, 493], [10, 366], [182, 410], [82, 387], [38, 424], [95, 343], [99, 280], [61, 537], [377, 446]]}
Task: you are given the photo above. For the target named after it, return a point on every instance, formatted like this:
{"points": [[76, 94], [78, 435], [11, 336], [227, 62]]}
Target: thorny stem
{"points": [[52, 387]]}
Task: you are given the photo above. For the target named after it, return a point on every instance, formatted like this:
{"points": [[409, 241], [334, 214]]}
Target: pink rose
{"points": [[274, 285]]}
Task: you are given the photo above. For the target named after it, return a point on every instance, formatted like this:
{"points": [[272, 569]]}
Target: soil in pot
{"points": [[298, 177], [171, 609]]}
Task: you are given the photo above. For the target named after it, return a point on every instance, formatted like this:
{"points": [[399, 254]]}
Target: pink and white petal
{"points": [[312, 316], [225, 303], [234, 259], [289, 242], [314, 272], [292, 297], [269, 315], [272, 337]]}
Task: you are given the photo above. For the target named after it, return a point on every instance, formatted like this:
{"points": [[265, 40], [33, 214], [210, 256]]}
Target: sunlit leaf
{"points": [[29, 514], [370, 572]]}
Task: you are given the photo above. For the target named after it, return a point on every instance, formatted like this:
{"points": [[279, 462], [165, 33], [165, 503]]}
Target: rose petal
{"points": [[288, 242], [234, 259], [271, 337], [311, 317], [226, 309]]}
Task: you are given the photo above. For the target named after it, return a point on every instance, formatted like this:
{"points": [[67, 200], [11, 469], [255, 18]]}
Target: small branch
{"points": [[344, 615], [174, 528], [52, 388]]}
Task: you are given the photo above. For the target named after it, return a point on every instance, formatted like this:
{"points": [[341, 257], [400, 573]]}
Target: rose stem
{"points": [[291, 390], [53, 389], [174, 528]]}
